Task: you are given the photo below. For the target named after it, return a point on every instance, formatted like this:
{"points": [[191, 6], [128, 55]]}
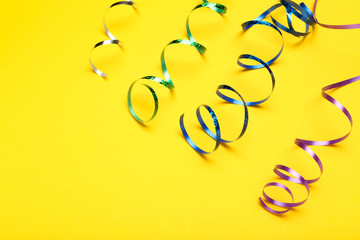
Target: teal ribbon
{"points": [[168, 83]]}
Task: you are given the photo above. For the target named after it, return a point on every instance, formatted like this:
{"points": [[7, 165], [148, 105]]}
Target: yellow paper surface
{"points": [[76, 165]]}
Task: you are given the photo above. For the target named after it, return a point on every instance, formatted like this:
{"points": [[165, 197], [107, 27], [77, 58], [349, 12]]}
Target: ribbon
{"points": [[347, 26], [168, 83], [304, 14], [283, 171], [217, 135], [113, 39], [292, 8], [300, 11]]}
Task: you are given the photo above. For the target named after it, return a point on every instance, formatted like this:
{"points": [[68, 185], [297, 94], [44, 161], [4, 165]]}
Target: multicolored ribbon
{"points": [[300, 11], [304, 14], [168, 83], [291, 9], [217, 135], [113, 39]]}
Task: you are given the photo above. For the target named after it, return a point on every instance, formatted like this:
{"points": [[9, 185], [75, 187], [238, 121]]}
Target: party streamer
{"points": [[113, 39], [168, 83], [304, 14], [300, 11], [217, 135], [281, 170]]}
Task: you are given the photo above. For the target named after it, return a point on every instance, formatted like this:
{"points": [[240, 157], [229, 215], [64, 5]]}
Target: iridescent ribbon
{"points": [[304, 14], [113, 39], [284, 172], [168, 83], [300, 11], [217, 136], [291, 9], [346, 26]]}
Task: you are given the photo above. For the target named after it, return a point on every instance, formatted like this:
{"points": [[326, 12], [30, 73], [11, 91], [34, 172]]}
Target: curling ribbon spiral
{"points": [[301, 12], [168, 83], [282, 171], [217, 136], [113, 39], [304, 14]]}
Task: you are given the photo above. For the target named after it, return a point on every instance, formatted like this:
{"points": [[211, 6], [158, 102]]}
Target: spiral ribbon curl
{"points": [[217, 135], [168, 83], [113, 39], [304, 14], [283, 171], [299, 11]]}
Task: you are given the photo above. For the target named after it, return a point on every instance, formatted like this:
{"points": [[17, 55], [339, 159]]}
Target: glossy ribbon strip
{"points": [[300, 11], [292, 8], [168, 83], [217, 136], [347, 26], [113, 39], [286, 172], [304, 14]]}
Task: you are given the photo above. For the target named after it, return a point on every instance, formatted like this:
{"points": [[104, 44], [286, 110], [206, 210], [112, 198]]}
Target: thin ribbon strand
{"points": [[217, 136], [304, 14], [113, 39], [304, 144], [168, 83], [346, 26]]}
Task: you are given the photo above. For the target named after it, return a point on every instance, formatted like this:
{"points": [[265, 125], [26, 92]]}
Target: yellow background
{"points": [[75, 164]]}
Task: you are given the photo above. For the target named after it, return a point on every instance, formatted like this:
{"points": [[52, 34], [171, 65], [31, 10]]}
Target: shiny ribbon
{"points": [[347, 26], [304, 14], [217, 135], [284, 171], [168, 83], [300, 11], [113, 39], [292, 8]]}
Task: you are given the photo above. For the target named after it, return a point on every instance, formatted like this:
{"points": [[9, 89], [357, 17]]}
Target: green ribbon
{"points": [[168, 83]]}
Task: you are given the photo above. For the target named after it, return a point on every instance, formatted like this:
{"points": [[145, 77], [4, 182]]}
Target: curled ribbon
{"points": [[280, 170], [299, 11], [113, 39], [168, 83], [217, 135], [304, 14]]}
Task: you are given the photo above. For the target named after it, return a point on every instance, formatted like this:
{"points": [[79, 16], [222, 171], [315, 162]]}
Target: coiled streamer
{"points": [[284, 171], [217, 136], [168, 83], [299, 11], [113, 39], [303, 13]]}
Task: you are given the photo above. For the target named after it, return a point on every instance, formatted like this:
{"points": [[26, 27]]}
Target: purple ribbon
{"points": [[291, 175], [283, 171], [347, 26]]}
